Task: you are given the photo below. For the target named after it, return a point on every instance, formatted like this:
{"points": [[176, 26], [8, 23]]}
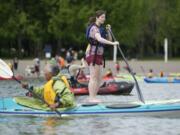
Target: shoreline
{"points": [[138, 66]]}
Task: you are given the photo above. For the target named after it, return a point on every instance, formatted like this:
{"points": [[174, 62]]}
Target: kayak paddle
{"points": [[140, 96], [7, 73]]}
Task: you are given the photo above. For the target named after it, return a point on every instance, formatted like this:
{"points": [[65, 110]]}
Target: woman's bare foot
{"points": [[93, 100]]}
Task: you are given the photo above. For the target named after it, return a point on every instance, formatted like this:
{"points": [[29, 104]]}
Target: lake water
{"points": [[93, 125]]}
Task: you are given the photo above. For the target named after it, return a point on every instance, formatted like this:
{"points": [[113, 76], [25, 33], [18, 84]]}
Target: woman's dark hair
{"points": [[98, 13]]}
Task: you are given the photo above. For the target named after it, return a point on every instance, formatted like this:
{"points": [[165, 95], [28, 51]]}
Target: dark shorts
{"points": [[98, 60]]}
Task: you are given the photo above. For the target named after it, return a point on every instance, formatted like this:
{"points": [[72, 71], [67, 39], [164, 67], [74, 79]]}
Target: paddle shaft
{"points": [[16, 79], [140, 96]]}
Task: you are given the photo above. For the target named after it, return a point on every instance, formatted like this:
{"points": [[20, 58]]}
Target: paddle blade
{"points": [[5, 71]]}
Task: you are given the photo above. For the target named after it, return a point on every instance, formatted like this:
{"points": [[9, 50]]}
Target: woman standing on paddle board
{"points": [[97, 38]]}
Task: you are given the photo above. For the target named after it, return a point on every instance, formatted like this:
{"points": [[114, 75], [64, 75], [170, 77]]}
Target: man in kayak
{"points": [[56, 91], [73, 71]]}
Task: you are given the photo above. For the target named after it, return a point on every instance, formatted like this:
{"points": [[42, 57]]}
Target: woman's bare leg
{"points": [[100, 81], [94, 82]]}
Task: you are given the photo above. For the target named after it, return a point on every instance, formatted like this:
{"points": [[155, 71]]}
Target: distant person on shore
{"points": [[37, 66], [69, 57], [150, 74], [75, 55], [60, 61], [15, 63], [161, 74], [117, 66]]}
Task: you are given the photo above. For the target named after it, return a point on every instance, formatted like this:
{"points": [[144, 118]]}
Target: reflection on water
{"points": [[106, 125], [50, 124]]}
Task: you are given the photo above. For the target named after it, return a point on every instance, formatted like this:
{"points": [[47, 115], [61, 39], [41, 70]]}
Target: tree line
{"points": [[27, 26]]}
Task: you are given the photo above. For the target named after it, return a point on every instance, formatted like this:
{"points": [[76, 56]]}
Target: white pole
{"points": [[165, 50], [115, 53]]}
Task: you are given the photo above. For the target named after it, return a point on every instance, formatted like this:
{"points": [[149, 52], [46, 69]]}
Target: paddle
{"points": [[6, 72], [140, 96]]}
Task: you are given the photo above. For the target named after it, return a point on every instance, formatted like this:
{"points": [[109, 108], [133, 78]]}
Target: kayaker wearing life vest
{"points": [[96, 36], [74, 71], [56, 92]]}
